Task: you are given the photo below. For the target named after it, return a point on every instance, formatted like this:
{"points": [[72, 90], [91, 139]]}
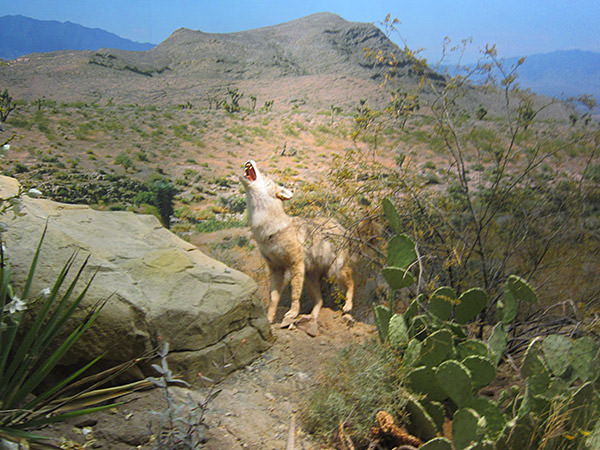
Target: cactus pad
{"points": [[585, 359], [495, 419], [397, 278], [532, 363], [422, 380], [421, 423], [470, 303], [436, 347], [441, 303], [521, 289], [556, 353], [391, 214], [483, 372], [497, 343], [401, 251], [472, 347], [454, 378], [467, 427], [382, 320], [397, 332], [412, 352]]}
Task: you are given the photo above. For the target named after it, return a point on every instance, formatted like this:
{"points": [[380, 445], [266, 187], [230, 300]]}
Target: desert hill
{"points": [[318, 59]]}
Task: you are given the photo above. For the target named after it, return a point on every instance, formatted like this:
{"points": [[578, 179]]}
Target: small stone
{"points": [[86, 423]]}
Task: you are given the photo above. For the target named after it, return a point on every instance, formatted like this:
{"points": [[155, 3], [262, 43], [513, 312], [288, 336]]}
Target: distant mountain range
{"points": [[561, 74], [21, 35]]}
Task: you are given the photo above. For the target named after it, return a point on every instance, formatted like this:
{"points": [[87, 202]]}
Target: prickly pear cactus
{"points": [[585, 359], [398, 332], [422, 380], [401, 251], [441, 303], [470, 303], [391, 214], [421, 423], [467, 427], [482, 371], [472, 347], [556, 350], [436, 347], [382, 314], [397, 277], [497, 343], [454, 378]]}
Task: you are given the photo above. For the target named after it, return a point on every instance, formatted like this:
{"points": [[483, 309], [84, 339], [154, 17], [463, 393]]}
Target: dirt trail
{"points": [[253, 408]]}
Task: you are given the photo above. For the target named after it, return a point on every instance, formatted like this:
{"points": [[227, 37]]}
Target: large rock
{"points": [[161, 288]]}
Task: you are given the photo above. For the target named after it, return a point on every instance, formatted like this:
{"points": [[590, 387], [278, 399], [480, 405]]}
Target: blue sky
{"points": [[517, 27]]}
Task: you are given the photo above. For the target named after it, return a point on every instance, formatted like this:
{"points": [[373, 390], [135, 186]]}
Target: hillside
{"points": [[318, 59], [21, 35]]}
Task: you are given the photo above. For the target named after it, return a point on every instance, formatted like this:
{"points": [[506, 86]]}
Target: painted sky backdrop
{"points": [[517, 27]]}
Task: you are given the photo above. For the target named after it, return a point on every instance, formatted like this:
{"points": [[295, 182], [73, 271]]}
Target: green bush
{"points": [[360, 381], [159, 193]]}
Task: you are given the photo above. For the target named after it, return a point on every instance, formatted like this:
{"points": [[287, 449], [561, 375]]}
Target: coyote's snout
{"points": [[296, 250]]}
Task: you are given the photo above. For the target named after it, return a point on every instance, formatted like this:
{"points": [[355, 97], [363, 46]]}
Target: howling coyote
{"points": [[296, 250]]}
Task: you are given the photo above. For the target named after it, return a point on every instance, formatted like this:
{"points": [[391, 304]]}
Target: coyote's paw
{"points": [[308, 324], [288, 319]]}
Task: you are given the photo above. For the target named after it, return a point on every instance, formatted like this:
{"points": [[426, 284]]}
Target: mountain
{"points": [[318, 59], [21, 35], [561, 74]]}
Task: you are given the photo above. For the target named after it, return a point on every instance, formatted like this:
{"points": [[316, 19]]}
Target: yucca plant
{"points": [[31, 349]]}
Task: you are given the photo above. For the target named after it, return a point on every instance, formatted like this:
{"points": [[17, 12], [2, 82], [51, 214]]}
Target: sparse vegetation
{"points": [[487, 181]]}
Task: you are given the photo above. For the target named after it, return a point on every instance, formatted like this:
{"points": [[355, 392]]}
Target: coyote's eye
{"points": [[250, 173]]}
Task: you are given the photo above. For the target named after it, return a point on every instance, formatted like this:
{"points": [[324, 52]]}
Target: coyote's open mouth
{"points": [[249, 171]]}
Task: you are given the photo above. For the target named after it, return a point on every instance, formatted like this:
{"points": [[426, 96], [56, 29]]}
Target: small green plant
{"points": [[234, 100]]}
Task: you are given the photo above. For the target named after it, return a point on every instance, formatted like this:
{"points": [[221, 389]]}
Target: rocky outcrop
{"points": [[161, 288]]}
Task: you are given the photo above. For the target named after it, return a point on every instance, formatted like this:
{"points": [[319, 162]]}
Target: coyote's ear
{"points": [[283, 193]]}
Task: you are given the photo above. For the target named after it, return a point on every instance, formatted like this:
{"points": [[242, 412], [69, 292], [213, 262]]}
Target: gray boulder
{"points": [[161, 288]]}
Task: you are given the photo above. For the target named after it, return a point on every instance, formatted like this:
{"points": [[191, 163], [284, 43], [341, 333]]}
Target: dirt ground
{"points": [[254, 406]]}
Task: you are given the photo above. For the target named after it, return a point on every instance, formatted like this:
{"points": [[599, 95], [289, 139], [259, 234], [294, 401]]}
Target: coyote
{"points": [[296, 249]]}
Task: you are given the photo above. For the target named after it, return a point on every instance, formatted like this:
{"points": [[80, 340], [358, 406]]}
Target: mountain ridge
{"points": [[318, 59], [21, 35]]}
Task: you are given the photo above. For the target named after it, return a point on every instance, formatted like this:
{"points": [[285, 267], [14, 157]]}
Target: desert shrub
{"points": [[234, 203], [181, 424], [123, 159], [215, 224], [477, 226], [20, 167], [160, 193], [359, 381]]}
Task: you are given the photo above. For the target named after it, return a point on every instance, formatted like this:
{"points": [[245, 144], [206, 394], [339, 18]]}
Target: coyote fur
{"points": [[296, 250]]}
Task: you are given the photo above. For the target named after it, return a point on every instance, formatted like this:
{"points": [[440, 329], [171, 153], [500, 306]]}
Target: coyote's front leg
{"points": [[276, 288], [297, 280]]}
